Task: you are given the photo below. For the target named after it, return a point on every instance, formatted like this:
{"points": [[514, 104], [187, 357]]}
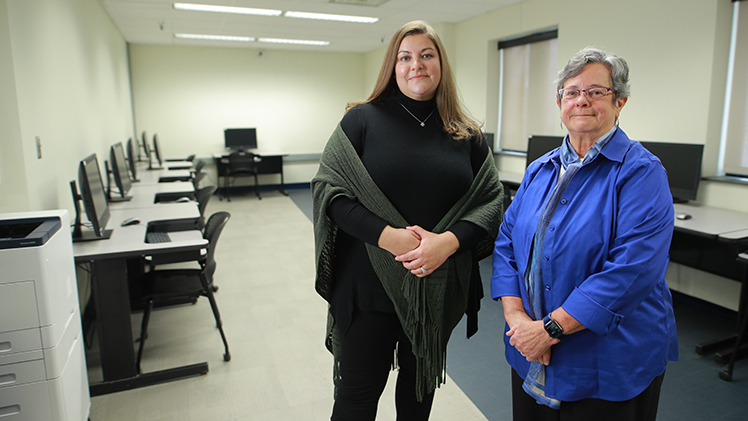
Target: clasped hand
{"points": [[417, 248], [530, 338]]}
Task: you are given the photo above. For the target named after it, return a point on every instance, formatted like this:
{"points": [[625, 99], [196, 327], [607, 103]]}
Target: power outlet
{"points": [[38, 148]]}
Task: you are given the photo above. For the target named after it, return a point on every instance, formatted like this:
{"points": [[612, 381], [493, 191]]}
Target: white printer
{"points": [[42, 359]]}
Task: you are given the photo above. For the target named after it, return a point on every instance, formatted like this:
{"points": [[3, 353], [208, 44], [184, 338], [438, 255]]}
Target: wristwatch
{"points": [[554, 329]]}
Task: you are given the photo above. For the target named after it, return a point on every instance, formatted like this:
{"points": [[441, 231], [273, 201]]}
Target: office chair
{"points": [[203, 196], [196, 179], [159, 286], [198, 165], [241, 164]]}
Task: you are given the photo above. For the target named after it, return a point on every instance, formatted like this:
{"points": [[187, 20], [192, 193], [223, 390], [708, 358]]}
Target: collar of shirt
{"points": [[569, 155]]}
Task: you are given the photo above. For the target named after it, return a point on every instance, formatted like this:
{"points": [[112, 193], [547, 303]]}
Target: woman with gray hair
{"points": [[580, 259]]}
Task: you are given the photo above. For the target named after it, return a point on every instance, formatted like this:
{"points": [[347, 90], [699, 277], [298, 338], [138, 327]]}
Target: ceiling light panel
{"points": [[214, 37], [360, 2], [293, 41], [227, 9], [325, 16]]}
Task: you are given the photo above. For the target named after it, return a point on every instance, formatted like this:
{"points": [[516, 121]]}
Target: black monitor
{"points": [[489, 139], [538, 146], [131, 160], [94, 201], [682, 162], [146, 150], [155, 152], [119, 173], [240, 139]]}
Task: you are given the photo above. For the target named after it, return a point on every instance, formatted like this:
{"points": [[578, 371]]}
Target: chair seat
{"points": [[167, 283]]}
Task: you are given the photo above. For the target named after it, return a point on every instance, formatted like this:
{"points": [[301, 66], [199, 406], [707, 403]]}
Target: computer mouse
{"points": [[682, 216], [130, 221], [183, 200]]}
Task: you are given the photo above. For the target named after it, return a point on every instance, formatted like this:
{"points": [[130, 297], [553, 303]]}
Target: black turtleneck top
{"points": [[423, 171]]}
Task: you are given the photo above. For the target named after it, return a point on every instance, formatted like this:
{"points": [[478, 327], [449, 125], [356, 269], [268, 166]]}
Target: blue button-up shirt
{"points": [[604, 262]]}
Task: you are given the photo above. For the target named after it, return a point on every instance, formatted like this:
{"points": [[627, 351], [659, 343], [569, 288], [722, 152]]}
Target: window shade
{"points": [[735, 134], [527, 102]]}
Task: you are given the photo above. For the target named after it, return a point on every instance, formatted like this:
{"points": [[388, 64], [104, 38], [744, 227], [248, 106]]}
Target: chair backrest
{"points": [[242, 161], [197, 178], [203, 196], [213, 229], [198, 165], [192, 158]]}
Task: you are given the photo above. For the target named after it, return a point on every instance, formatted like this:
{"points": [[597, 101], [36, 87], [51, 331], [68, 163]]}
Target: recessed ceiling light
{"points": [[214, 37], [293, 41], [325, 16], [226, 9]]}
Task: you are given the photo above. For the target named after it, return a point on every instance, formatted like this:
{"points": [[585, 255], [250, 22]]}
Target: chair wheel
{"points": [[725, 375], [227, 357]]}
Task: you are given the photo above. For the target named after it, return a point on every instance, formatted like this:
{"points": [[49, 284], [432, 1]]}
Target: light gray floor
{"points": [[275, 326]]}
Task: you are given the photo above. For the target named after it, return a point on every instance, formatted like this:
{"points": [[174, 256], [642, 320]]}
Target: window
{"points": [[734, 139], [527, 100]]}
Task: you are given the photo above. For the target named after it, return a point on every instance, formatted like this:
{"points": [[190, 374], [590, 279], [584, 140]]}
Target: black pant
{"points": [[366, 357], [642, 407]]}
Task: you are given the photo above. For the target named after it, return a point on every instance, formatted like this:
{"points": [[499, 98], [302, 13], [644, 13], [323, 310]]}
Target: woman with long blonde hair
{"points": [[407, 200]]}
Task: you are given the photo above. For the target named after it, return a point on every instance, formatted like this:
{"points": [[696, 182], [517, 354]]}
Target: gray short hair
{"points": [[619, 70]]}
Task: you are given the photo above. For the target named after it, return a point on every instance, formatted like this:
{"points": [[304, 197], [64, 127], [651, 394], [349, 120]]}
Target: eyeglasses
{"points": [[597, 92]]}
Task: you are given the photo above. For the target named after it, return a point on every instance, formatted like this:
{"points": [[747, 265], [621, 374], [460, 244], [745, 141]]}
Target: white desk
{"points": [[146, 195], [147, 176], [112, 260], [710, 221]]}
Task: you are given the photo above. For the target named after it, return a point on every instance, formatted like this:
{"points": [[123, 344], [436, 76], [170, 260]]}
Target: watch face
{"points": [[553, 328]]}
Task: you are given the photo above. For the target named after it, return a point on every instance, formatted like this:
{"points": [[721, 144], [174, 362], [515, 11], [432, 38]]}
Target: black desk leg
{"points": [[112, 300], [110, 293], [739, 350], [727, 373], [147, 379]]}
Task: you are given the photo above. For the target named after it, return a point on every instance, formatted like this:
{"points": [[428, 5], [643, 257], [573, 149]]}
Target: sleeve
{"points": [[638, 254], [348, 214], [505, 278], [354, 219]]}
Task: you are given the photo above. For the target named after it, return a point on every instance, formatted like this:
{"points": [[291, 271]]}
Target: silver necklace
{"points": [[423, 123]]}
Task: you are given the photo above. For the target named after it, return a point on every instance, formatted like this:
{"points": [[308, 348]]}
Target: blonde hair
{"points": [[456, 121]]}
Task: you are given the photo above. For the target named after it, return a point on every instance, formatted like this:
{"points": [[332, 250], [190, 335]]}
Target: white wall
{"points": [[64, 76], [189, 95], [13, 187], [677, 53], [70, 74]]}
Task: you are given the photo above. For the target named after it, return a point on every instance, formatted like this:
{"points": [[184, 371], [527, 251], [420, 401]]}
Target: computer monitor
{"points": [[538, 146], [131, 160], [146, 149], [683, 165], [489, 139], [119, 173], [94, 201], [157, 149], [240, 139]]}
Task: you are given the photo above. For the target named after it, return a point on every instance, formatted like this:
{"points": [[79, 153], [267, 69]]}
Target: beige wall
{"points": [[189, 95], [64, 77], [677, 52], [13, 195], [68, 66]]}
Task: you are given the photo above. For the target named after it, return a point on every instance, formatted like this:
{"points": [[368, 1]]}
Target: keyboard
{"points": [[157, 237]]}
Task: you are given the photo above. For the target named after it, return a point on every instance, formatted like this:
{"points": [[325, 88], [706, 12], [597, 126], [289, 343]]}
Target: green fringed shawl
{"points": [[428, 308]]}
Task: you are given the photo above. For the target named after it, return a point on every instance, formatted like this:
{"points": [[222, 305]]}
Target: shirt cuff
{"points": [[591, 314]]}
